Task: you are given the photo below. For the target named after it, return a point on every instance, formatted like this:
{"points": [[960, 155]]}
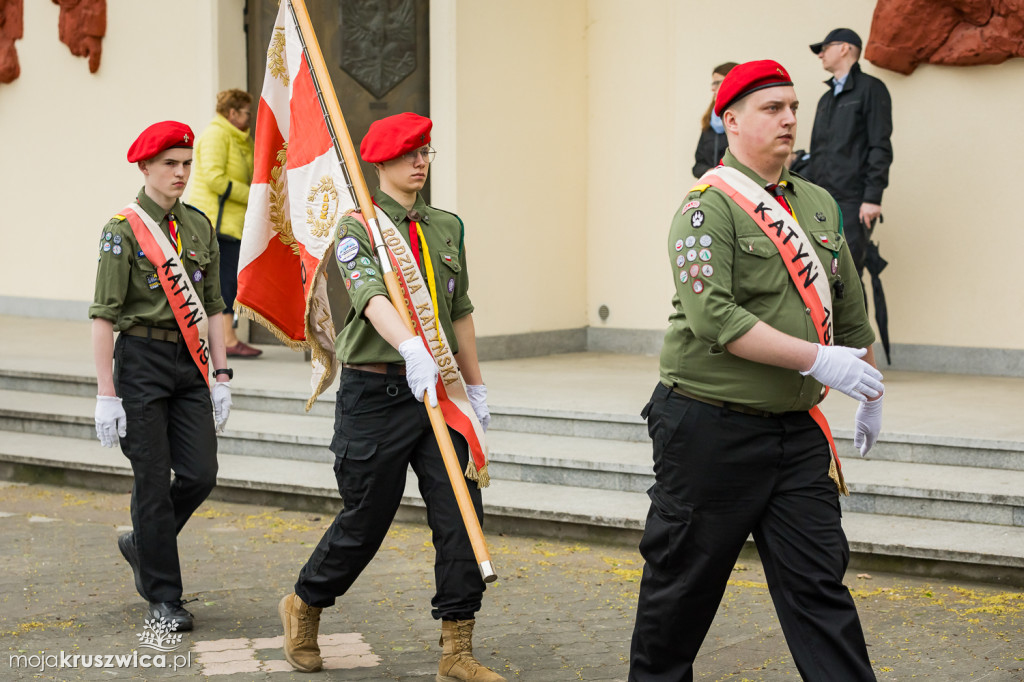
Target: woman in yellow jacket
{"points": [[221, 174]]}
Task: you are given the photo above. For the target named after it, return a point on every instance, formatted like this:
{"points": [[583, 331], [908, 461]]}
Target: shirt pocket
{"points": [[448, 272], [828, 244], [758, 269], [197, 265]]}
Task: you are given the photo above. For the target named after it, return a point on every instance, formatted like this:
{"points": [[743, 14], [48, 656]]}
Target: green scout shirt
{"points": [[749, 282], [128, 290], [358, 342]]}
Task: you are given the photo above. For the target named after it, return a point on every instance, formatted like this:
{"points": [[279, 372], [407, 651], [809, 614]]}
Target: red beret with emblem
{"points": [[395, 135], [747, 78], [158, 137]]}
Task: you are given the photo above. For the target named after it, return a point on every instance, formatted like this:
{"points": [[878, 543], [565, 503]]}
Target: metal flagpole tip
{"points": [[487, 571]]}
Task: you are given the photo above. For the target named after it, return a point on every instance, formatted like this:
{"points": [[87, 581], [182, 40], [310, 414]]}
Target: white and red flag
{"points": [[299, 192]]}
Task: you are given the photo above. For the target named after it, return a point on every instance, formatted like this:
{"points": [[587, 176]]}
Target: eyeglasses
{"points": [[426, 152]]}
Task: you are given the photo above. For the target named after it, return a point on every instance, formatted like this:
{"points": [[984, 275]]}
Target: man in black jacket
{"points": [[850, 148]]}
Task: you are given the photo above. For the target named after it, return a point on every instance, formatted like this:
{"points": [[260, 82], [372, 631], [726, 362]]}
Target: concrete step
{"points": [[892, 488], [513, 505], [969, 451]]}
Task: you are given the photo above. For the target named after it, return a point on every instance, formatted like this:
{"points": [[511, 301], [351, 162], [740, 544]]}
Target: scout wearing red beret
{"points": [[747, 78], [158, 137], [395, 135]]}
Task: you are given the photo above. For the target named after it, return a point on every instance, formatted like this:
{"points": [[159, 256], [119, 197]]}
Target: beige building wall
{"points": [[66, 131], [521, 182], [565, 133]]}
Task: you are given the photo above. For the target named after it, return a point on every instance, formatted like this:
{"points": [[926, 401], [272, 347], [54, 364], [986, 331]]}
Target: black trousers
{"points": [[379, 430], [169, 428], [719, 476]]}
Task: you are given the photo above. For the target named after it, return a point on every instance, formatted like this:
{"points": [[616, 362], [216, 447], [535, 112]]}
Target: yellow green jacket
{"points": [[221, 173]]}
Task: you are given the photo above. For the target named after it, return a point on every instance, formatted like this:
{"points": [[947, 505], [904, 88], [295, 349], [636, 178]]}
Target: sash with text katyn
{"points": [[802, 263], [177, 285], [421, 296]]}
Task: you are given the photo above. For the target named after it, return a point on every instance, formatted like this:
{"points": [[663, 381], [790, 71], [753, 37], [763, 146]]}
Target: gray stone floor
{"points": [[559, 611]]}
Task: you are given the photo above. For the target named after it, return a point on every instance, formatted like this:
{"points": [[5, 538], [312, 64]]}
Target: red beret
{"points": [[393, 136], [158, 137], [747, 78]]}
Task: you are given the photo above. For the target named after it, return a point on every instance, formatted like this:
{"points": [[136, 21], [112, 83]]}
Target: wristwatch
{"points": [[230, 372]]}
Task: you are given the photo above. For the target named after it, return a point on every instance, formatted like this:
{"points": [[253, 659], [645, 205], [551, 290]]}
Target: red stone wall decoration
{"points": [[11, 29], [905, 33], [83, 23]]}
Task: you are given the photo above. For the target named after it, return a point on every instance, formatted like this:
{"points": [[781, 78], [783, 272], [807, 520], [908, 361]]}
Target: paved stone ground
{"points": [[559, 611]]}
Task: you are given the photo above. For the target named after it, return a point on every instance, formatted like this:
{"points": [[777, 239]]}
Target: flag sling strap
{"points": [[185, 303], [802, 263]]}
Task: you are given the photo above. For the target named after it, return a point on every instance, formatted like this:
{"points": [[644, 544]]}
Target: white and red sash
{"points": [[177, 285], [420, 294], [804, 267]]}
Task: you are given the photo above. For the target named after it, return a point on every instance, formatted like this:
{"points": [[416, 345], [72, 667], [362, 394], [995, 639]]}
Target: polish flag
{"points": [[299, 192]]}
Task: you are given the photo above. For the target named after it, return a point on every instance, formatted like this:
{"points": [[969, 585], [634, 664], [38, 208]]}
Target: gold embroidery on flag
{"points": [[322, 207], [275, 56], [278, 217]]}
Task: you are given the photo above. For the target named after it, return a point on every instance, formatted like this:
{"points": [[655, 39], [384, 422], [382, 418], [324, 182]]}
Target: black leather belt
{"points": [[155, 333], [742, 409], [377, 367]]}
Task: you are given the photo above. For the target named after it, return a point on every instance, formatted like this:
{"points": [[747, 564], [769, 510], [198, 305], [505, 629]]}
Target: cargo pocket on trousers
{"points": [[354, 470], [668, 523]]}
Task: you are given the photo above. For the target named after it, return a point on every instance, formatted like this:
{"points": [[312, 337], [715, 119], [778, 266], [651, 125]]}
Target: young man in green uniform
{"points": [[738, 447], [380, 427], [157, 284]]}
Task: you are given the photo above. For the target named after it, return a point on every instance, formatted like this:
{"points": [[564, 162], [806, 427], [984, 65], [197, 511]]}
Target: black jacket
{"points": [[850, 148], [710, 150]]}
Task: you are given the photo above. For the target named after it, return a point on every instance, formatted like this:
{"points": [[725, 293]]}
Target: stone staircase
{"points": [[920, 504]]}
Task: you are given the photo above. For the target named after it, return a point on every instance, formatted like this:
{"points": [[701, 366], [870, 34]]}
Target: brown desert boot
{"points": [[457, 661], [301, 624], [242, 350]]}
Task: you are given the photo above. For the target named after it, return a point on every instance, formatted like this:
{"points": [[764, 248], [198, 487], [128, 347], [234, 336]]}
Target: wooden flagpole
{"points": [[343, 140]]}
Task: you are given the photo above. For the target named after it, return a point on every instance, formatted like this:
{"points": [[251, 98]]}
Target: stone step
{"points": [[894, 488], [987, 453], [532, 507]]}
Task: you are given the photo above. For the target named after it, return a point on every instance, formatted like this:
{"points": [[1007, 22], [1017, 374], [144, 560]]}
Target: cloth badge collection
{"points": [[692, 254], [348, 249], [110, 242]]}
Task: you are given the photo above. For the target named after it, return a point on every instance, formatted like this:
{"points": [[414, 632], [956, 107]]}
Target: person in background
{"points": [[222, 174], [712, 143], [850, 147]]}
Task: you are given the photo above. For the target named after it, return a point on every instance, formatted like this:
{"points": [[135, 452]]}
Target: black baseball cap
{"points": [[837, 35]]}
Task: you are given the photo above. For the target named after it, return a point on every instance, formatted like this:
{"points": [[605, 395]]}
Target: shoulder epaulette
{"points": [[118, 217], [700, 189], [208, 221], [462, 225]]}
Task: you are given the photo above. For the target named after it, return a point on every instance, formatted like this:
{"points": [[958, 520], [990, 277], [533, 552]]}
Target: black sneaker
{"points": [[126, 543], [171, 612]]}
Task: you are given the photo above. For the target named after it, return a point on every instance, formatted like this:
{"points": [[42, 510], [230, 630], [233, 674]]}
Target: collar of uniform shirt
{"points": [[155, 211], [396, 211], [786, 177]]}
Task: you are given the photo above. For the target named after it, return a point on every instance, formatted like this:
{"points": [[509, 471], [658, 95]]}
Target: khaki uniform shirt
{"points": [[747, 281], [359, 342], [128, 290]]}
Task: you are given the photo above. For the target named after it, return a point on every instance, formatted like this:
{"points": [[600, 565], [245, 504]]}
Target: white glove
{"points": [[868, 425], [841, 368], [111, 421], [221, 394], [478, 399], [420, 369]]}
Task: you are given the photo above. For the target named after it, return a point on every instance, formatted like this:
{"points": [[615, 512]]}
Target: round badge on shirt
{"points": [[348, 249], [451, 285], [197, 275], [690, 241]]}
